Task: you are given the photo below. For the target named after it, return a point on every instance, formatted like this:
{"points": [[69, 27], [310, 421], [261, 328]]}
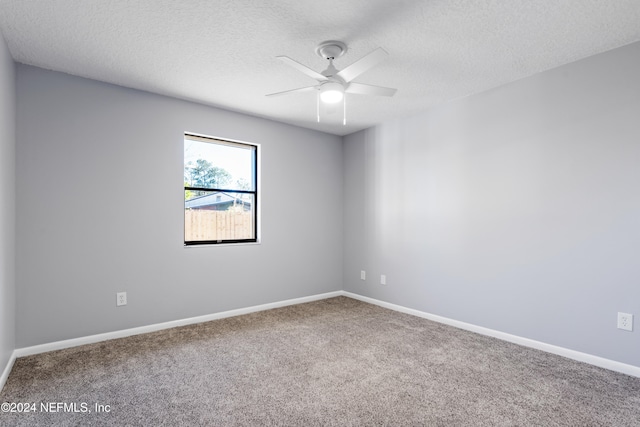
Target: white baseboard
{"points": [[526, 342], [59, 345], [561, 351], [7, 370]]}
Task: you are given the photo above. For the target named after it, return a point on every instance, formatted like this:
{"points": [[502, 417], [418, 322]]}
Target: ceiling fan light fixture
{"points": [[331, 92]]}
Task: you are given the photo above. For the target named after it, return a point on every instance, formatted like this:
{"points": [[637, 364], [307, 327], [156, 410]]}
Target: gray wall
{"points": [[7, 203], [100, 210], [517, 209]]}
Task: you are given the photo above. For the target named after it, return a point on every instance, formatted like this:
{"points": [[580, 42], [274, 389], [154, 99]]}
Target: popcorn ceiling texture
{"points": [[222, 52]]}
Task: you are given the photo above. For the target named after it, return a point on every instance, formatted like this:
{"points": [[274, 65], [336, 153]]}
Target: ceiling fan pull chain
{"points": [[344, 110], [318, 106]]}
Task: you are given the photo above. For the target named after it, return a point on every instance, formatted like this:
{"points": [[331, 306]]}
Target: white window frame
{"points": [[255, 192]]}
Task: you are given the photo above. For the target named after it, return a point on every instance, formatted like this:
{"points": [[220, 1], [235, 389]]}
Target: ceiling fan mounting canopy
{"points": [[331, 49]]}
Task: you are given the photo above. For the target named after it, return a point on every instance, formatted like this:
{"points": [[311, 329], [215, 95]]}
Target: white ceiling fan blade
{"points": [[363, 64], [363, 89], [303, 68], [302, 89]]}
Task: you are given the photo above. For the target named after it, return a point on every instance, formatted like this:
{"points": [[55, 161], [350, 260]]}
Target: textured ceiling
{"points": [[223, 52]]}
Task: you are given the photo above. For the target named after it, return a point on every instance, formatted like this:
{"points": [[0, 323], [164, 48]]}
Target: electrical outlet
{"points": [[383, 279], [121, 299], [625, 321], [363, 275]]}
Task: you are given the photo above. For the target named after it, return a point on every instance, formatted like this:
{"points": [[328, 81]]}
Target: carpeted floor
{"points": [[335, 362]]}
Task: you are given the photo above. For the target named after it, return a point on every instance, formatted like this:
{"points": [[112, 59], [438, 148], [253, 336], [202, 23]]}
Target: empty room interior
{"points": [[320, 213]]}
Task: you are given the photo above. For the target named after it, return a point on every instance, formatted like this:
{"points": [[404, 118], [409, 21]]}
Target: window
{"points": [[220, 191]]}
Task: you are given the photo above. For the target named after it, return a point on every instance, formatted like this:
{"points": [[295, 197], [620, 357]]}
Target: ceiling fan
{"points": [[333, 84]]}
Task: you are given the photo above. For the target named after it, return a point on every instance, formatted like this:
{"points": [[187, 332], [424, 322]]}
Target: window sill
{"points": [[217, 245]]}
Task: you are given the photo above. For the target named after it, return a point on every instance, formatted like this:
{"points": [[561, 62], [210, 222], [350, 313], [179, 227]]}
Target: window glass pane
{"points": [[218, 216], [221, 166]]}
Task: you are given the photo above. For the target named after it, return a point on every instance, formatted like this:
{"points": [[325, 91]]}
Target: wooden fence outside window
{"points": [[200, 224]]}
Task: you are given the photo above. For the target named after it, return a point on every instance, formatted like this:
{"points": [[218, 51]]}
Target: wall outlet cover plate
{"points": [[625, 321], [121, 299]]}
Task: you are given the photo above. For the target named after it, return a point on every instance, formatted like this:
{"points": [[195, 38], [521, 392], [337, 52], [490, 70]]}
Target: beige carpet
{"points": [[336, 362]]}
